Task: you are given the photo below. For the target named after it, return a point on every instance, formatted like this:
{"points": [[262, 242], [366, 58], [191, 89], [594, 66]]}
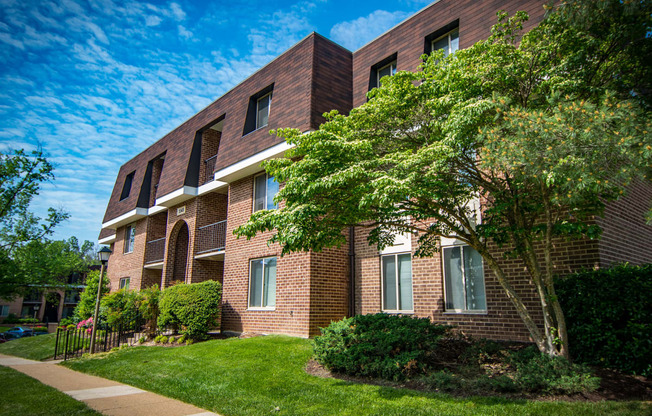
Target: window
{"points": [[258, 110], [130, 236], [126, 188], [383, 68], [463, 279], [262, 283], [124, 283], [265, 188], [262, 110], [387, 70], [4, 310], [449, 43], [397, 282]]}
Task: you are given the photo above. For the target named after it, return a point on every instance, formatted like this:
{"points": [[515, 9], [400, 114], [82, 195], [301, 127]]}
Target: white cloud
{"points": [[355, 33], [184, 33], [177, 12], [153, 20]]}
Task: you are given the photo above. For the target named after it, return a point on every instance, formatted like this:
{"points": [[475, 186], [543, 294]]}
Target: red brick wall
{"points": [[626, 237], [130, 265]]}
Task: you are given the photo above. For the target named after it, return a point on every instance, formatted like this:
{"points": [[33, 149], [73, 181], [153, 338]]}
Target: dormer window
{"points": [[126, 188], [262, 110]]}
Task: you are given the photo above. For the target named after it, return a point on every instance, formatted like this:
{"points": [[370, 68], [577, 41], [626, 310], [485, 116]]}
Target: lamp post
{"points": [[103, 256], [36, 308]]}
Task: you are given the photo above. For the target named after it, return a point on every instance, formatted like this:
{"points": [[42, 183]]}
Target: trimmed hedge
{"points": [[392, 347], [609, 317], [194, 308]]}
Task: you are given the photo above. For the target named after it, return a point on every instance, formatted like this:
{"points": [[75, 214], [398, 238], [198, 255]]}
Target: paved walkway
{"points": [[106, 396]]}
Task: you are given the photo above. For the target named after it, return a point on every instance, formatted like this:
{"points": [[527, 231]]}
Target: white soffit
{"points": [[213, 186], [251, 165], [125, 219], [176, 197], [106, 240]]}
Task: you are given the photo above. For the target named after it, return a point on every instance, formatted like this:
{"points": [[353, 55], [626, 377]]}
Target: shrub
{"points": [[66, 321], [163, 339], [172, 340], [442, 381], [539, 372], [149, 308], [40, 329], [120, 307], [86, 306], [193, 307], [158, 339], [28, 321], [181, 339], [609, 317], [141, 340], [71, 327], [392, 347], [189, 342], [11, 319]]}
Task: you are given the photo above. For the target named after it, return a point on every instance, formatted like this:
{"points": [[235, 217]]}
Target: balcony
{"points": [[154, 254], [211, 240], [209, 167]]}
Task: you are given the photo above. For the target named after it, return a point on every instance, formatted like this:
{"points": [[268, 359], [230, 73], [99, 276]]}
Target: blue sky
{"points": [[96, 82]]}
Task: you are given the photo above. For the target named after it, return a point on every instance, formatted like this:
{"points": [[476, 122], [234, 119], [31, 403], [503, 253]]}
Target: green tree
{"points": [[86, 306], [543, 132], [21, 176]]}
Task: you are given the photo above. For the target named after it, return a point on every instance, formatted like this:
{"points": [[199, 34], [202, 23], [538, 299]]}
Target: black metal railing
{"points": [[209, 165], [71, 343], [211, 237], [155, 250]]}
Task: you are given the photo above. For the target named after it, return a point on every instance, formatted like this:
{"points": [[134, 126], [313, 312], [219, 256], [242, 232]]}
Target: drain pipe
{"points": [[351, 271]]}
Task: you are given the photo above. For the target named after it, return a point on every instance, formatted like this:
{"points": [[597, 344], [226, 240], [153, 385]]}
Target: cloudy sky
{"points": [[95, 82]]}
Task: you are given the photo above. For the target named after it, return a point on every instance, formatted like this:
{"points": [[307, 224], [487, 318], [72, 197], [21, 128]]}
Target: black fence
{"points": [[71, 343]]}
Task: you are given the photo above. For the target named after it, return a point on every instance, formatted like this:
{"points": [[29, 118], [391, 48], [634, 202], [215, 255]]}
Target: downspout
{"points": [[351, 271]]}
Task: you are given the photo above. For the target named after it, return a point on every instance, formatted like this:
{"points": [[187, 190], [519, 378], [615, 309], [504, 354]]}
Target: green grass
{"points": [[34, 348], [5, 328], [257, 375], [22, 395]]}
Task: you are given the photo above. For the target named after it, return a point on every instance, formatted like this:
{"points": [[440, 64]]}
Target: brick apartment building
{"points": [[174, 206]]}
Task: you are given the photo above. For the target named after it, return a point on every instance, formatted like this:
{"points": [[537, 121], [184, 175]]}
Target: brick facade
{"points": [[184, 229]]}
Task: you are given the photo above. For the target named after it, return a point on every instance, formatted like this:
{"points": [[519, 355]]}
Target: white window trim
{"points": [[253, 202], [432, 43], [259, 308], [269, 107], [124, 279], [392, 71], [398, 292], [128, 239], [443, 268]]}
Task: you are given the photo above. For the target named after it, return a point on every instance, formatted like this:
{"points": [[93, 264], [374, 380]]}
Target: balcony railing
{"points": [[211, 237], [155, 251], [210, 167]]}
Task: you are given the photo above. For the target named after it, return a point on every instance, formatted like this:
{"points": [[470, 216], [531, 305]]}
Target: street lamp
{"points": [[103, 256]]}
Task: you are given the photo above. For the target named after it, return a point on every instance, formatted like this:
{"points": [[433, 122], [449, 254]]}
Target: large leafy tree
{"points": [[542, 128], [21, 177]]}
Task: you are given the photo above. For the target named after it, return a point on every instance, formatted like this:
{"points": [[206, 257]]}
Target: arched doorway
{"points": [[180, 255]]}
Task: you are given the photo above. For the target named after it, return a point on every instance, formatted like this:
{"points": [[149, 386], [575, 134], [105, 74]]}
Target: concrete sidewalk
{"points": [[106, 396]]}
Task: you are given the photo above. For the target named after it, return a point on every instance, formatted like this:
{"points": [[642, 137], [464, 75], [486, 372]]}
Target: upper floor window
{"points": [[396, 270], [4, 310], [262, 110], [258, 110], [130, 237], [262, 283], [387, 70], [265, 188], [386, 67], [449, 43], [464, 279], [126, 187]]}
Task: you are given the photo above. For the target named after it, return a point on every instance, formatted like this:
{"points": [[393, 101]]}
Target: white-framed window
{"points": [[262, 283], [4, 311], [449, 43], [387, 70], [262, 110], [464, 288], [124, 283], [396, 272], [265, 188], [130, 237]]}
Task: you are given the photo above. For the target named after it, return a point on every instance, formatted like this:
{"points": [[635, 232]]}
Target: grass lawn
{"points": [[256, 376], [5, 328], [38, 348], [22, 395]]}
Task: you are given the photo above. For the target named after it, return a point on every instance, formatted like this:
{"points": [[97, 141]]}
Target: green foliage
{"points": [[609, 316], [40, 329], [21, 176], [120, 307], [71, 327], [28, 321], [538, 372], [67, 321], [392, 347], [192, 307], [163, 339], [149, 308], [86, 306]]}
